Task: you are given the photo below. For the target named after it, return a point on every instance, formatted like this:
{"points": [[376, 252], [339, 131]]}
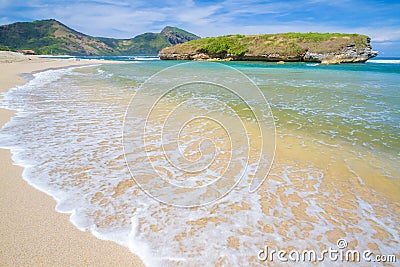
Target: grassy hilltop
{"points": [[273, 47]]}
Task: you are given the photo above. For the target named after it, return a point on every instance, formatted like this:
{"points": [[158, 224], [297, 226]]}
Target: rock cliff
{"points": [[177, 36]]}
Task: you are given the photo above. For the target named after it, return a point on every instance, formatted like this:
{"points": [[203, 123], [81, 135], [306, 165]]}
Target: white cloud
{"points": [[385, 34], [125, 19], [5, 20], [196, 15], [4, 3], [100, 19]]}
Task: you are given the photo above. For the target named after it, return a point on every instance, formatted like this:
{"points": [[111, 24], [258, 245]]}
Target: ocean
{"points": [[168, 158]]}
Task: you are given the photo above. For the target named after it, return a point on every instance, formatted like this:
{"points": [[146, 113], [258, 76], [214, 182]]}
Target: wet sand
{"points": [[311, 199], [32, 233]]}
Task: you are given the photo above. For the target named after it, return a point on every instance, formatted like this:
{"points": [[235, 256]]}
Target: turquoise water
{"points": [[355, 104], [335, 172], [358, 104]]}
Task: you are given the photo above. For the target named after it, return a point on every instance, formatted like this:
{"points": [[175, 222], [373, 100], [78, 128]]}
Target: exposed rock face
{"points": [[349, 54], [177, 36], [334, 49], [178, 56]]}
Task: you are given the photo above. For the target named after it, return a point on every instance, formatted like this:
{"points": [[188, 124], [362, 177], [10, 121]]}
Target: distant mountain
{"points": [[53, 37]]}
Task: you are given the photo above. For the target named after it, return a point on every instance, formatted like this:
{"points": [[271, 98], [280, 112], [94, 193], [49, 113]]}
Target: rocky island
{"points": [[329, 48]]}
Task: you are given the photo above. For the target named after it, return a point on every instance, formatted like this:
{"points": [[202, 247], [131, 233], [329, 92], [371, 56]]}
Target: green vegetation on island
{"points": [[53, 37], [274, 47]]}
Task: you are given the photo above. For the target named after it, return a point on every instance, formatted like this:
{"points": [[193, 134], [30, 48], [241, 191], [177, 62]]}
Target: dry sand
{"points": [[32, 233]]}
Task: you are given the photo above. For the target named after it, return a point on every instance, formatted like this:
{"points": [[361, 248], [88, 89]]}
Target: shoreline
{"points": [[317, 186], [32, 232]]}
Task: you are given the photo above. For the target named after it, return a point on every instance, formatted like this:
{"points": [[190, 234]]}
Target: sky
{"points": [[127, 18]]}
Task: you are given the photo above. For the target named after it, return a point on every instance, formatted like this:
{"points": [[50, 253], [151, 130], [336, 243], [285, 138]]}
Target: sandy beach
{"points": [[31, 231], [324, 186]]}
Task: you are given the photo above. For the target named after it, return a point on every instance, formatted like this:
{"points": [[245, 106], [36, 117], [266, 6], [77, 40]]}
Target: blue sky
{"points": [[124, 19]]}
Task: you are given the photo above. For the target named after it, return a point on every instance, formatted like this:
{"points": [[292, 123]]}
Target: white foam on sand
{"points": [[67, 135]]}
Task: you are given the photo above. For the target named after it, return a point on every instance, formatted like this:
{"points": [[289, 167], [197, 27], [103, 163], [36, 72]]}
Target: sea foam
{"points": [[67, 134]]}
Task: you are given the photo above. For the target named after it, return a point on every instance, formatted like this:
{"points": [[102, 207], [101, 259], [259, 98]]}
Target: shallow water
{"points": [[335, 173]]}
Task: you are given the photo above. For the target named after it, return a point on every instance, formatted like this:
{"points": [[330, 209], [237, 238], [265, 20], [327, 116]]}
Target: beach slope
{"points": [[32, 233]]}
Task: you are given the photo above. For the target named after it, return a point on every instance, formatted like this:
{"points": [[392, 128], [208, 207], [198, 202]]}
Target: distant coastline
{"points": [[51, 37]]}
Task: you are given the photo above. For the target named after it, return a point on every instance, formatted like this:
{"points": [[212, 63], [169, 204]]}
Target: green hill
{"points": [[317, 47], [53, 37]]}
